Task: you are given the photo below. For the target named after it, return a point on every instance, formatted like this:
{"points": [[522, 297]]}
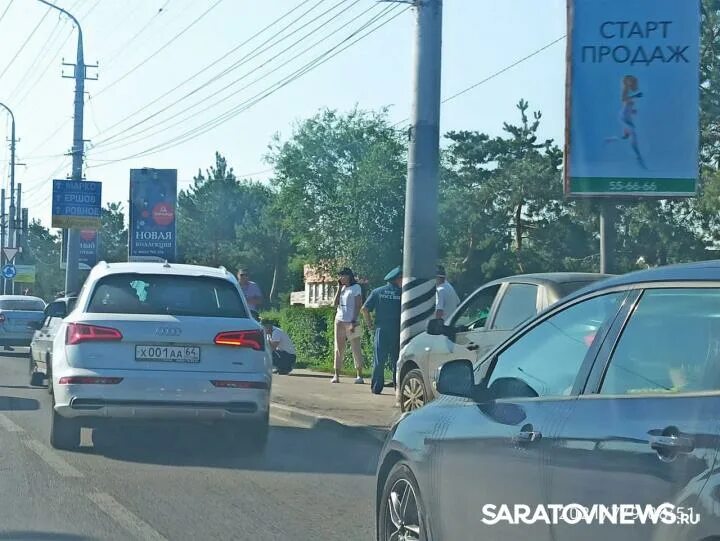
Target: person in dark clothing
{"points": [[385, 302]]}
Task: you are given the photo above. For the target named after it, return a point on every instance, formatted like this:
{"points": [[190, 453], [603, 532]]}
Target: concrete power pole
{"points": [[11, 222], [3, 223], [421, 200], [72, 271]]}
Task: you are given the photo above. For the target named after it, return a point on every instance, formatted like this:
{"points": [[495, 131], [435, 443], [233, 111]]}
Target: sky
{"points": [[178, 80]]}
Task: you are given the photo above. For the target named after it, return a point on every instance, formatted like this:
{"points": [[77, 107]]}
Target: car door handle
{"points": [[671, 444], [472, 347], [528, 436]]}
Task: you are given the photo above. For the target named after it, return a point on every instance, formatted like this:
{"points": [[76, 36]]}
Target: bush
{"points": [[312, 331]]}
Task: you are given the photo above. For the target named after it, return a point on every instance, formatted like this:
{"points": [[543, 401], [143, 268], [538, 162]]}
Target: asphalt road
{"points": [[146, 482]]}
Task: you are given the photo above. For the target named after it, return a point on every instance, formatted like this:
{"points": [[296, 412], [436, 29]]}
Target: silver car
{"points": [[482, 321], [18, 314]]}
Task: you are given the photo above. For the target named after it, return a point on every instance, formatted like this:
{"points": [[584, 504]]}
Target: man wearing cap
{"points": [[385, 302], [446, 299]]}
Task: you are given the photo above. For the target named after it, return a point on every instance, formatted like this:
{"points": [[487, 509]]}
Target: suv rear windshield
{"points": [[31, 305], [166, 294]]}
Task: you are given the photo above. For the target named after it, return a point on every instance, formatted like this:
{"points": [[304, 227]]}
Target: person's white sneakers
{"points": [[359, 381], [335, 380]]}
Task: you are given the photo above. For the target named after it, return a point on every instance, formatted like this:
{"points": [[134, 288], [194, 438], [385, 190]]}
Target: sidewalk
{"points": [[310, 396]]}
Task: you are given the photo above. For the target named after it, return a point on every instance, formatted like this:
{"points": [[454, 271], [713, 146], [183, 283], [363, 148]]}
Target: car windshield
{"points": [[31, 305], [166, 294]]}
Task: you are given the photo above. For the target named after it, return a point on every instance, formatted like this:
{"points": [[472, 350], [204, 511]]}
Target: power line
{"points": [[222, 100], [204, 128], [32, 33], [247, 57], [507, 68], [162, 48], [33, 65], [494, 75], [6, 10], [124, 46]]}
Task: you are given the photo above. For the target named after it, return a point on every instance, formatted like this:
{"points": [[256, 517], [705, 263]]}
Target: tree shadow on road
{"points": [[319, 449], [16, 403]]}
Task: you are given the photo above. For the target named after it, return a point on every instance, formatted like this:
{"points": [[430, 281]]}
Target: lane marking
{"points": [[9, 425], [126, 518], [52, 459]]}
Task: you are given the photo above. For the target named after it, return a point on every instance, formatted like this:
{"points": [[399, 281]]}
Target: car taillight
{"points": [[77, 333], [244, 339], [89, 380], [233, 384]]}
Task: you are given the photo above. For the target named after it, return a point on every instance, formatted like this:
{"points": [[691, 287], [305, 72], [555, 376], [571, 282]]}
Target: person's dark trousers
{"points": [[385, 351], [283, 361]]}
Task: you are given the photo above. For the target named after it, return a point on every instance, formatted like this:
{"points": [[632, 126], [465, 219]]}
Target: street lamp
{"points": [[72, 271], [11, 225]]}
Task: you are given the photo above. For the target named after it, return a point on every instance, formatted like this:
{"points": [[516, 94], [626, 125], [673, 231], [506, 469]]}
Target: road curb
{"points": [[298, 414]]}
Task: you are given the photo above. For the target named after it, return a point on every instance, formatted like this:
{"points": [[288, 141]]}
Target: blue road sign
{"points": [[76, 204], [9, 271]]}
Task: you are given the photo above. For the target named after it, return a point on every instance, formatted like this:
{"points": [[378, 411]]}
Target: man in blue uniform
{"points": [[385, 302]]}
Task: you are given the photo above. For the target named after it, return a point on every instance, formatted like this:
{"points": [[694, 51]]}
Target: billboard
{"points": [[25, 274], [153, 200], [76, 204], [89, 248], [632, 98]]}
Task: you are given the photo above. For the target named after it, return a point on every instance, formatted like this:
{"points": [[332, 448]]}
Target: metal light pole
{"points": [[11, 224], [421, 200], [72, 271]]}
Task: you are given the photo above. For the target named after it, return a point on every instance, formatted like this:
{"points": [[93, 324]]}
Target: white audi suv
{"points": [[160, 341]]}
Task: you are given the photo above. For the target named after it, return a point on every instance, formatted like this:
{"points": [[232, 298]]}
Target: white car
{"points": [[160, 341]]}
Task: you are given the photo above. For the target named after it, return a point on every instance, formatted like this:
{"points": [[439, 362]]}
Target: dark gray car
{"points": [[611, 396]]}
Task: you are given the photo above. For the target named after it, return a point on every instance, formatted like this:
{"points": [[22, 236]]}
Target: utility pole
{"points": [[18, 231], [11, 225], [421, 200], [3, 224], [72, 270]]}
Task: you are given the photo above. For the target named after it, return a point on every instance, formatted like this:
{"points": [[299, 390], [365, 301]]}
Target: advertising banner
{"points": [[632, 110], [89, 249], [153, 200]]}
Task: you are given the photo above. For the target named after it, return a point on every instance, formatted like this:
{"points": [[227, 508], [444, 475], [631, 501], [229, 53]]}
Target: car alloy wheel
{"points": [[412, 391], [402, 518]]}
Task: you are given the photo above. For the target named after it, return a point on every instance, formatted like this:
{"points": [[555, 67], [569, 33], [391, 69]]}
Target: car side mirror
{"points": [[56, 309], [455, 378], [436, 327]]}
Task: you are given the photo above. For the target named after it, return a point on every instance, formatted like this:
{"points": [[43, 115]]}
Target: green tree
{"points": [[43, 250], [341, 187], [502, 210], [231, 222], [113, 234]]}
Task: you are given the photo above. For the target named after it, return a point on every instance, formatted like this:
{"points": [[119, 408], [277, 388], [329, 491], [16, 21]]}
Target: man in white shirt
{"points": [[283, 350], [446, 300]]}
